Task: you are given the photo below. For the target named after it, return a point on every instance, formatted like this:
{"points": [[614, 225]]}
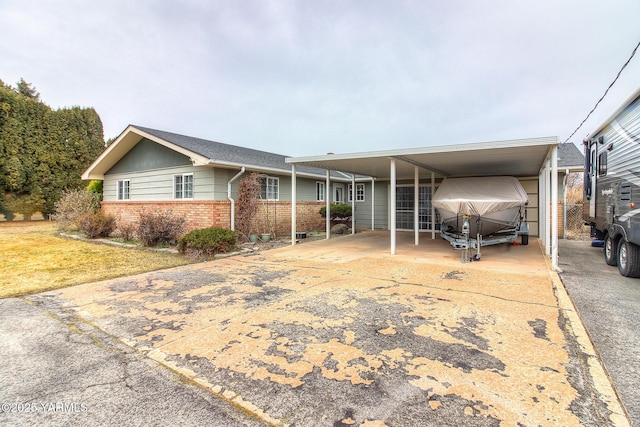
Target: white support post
{"points": [[294, 197], [373, 203], [547, 202], [554, 207], [327, 198], [542, 226], [353, 204], [433, 209], [393, 206], [416, 205]]}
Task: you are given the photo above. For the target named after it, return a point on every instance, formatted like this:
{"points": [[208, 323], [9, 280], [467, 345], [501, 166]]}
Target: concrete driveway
{"points": [[608, 304], [341, 333]]}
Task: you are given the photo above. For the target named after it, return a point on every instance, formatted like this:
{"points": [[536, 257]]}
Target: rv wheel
{"points": [[610, 251], [628, 259], [525, 239]]}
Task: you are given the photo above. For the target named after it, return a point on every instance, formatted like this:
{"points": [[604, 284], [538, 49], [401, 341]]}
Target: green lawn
{"points": [[34, 259]]}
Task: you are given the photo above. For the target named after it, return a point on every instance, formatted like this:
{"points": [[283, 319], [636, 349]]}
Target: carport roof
{"points": [[521, 157]]}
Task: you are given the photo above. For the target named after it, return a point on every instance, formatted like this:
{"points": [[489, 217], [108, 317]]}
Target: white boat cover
{"points": [[479, 196]]}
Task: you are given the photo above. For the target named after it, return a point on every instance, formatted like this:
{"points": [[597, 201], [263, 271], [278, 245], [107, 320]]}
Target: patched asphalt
{"points": [[341, 333]]}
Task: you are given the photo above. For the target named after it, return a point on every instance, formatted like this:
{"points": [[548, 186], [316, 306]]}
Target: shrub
{"points": [[247, 202], [26, 204], [95, 186], [207, 241], [72, 205], [126, 230], [96, 224], [340, 210], [159, 227]]}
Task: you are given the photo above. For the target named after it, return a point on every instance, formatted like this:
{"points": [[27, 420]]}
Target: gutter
{"points": [[233, 202]]}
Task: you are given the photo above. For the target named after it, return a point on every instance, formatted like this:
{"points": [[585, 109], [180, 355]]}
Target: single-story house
{"points": [[156, 170], [152, 169]]}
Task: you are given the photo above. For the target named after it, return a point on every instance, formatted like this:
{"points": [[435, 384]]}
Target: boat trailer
{"points": [[463, 241]]}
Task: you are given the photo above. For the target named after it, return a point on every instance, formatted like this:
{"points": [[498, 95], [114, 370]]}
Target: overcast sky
{"points": [[310, 77]]}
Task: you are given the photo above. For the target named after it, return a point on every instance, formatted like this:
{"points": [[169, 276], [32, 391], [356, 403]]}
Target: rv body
{"points": [[612, 187]]}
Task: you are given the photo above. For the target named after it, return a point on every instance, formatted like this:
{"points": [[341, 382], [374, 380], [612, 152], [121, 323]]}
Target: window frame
{"points": [[265, 181], [602, 163], [120, 189], [186, 186], [360, 196], [320, 191]]}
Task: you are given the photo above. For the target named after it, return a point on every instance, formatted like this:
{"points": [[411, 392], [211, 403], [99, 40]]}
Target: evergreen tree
{"points": [[27, 89], [43, 151]]}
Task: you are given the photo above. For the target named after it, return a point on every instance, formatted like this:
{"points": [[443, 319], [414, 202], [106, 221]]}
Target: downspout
{"points": [[233, 202]]}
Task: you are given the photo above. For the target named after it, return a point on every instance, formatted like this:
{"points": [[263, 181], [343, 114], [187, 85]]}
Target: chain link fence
{"points": [[575, 227]]}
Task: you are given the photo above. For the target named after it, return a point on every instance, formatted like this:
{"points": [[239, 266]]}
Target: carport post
{"points": [[373, 204], [433, 208], [547, 206], [353, 204], [393, 206], [416, 204], [554, 207], [294, 196], [327, 198], [542, 211]]}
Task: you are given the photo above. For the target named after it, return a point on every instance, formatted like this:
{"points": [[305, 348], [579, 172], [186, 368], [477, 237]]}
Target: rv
{"points": [[612, 186]]}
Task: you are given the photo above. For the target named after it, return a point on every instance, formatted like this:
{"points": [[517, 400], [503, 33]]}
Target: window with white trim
{"points": [[320, 191], [270, 188], [183, 186], [123, 189], [359, 192]]}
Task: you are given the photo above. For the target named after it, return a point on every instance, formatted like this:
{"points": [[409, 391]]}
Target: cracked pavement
{"points": [[341, 333], [58, 370]]}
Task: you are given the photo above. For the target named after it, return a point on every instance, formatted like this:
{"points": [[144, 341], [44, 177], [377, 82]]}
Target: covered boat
{"points": [[481, 211]]}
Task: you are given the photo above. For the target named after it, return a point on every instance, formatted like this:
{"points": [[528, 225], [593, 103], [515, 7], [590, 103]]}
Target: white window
{"points": [[183, 186], [319, 191], [123, 189], [270, 188], [359, 192]]}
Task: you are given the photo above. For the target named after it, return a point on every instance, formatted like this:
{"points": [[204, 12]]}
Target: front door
{"points": [[338, 193], [405, 208]]}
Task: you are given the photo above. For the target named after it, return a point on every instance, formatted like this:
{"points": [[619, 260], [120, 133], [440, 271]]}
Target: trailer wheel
{"points": [[610, 251], [628, 259], [524, 238]]}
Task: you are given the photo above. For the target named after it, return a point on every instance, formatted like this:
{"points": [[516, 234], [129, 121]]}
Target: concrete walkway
{"points": [[340, 332]]}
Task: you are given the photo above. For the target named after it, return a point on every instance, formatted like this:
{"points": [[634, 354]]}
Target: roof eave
{"points": [[549, 141], [124, 143], [266, 169]]}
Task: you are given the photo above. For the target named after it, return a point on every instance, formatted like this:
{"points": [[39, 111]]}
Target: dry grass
{"points": [[34, 259]]}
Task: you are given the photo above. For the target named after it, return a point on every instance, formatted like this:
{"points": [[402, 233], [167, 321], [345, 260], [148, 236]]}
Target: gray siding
{"points": [[148, 155], [381, 211], [157, 184]]}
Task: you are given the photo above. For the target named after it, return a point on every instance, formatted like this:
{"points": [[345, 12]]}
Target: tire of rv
{"points": [[628, 259], [524, 239], [610, 251]]}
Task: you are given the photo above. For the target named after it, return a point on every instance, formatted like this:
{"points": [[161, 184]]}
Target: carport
{"points": [[532, 158]]}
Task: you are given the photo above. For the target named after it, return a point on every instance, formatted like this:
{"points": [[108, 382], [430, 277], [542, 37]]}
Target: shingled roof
{"points": [[569, 156], [202, 152]]}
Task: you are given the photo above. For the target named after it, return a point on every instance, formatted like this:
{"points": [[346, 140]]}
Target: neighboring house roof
{"points": [[570, 157], [201, 152]]}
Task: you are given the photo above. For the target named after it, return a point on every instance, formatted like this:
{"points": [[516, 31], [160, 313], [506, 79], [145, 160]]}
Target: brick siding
{"points": [[272, 217]]}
